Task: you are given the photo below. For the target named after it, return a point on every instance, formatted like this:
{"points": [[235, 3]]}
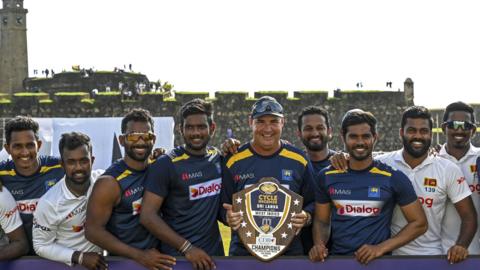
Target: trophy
{"points": [[267, 208]]}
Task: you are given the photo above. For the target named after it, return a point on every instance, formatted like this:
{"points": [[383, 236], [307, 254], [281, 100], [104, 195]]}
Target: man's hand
{"points": [[367, 253], [233, 218], [157, 152], [230, 146], [339, 161], [457, 254], [92, 260], [300, 220], [199, 259], [152, 259], [318, 253]]}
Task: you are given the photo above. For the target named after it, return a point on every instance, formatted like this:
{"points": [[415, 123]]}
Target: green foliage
{"points": [[88, 100], [5, 101], [71, 93], [191, 93], [108, 94], [30, 94], [45, 101]]}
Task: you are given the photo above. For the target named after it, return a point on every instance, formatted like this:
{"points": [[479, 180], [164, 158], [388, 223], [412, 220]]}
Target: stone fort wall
{"points": [[231, 110]]}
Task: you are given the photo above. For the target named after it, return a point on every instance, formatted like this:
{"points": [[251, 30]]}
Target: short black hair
{"points": [[20, 123], [310, 110], [196, 106], [417, 112], [72, 141], [459, 106], [137, 115], [356, 117]]}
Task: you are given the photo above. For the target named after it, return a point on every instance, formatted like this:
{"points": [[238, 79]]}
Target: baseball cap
{"points": [[266, 105]]}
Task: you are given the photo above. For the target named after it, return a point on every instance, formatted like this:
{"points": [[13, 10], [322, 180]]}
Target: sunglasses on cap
{"points": [[465, 125], [135, 137], [265, 106]]}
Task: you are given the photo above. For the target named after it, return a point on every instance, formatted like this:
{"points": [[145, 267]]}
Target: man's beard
{"points": [[413, 152]]}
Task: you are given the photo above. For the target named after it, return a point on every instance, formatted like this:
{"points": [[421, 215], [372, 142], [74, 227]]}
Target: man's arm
{"points": [[416, 226], [11, 223], [468, 228], [105, 196], [150, 219], [17, 247], [321, 232]]}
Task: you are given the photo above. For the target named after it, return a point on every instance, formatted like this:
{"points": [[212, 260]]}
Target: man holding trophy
{"points": [[273, 212]]}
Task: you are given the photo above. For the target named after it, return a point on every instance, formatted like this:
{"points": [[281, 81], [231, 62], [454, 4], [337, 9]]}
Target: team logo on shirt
{"points": [[287, 175], [137, 207], [205, 189], [187, 176], [373, 192], [77, 228], [473, 168], [429, 184], [49, 183], [358, 208]]}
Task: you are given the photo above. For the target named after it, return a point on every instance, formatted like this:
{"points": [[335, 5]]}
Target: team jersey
{"points": [[362, 204], [306, 233], [28, 189], [436, 180], [58, 223], [190, 186], [322, 164], [124, 222], [451, 221], [288, 165], [9, 218]]}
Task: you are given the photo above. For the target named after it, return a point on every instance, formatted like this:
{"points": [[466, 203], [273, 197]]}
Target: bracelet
{"points": [[185, 247], [80, 258], [188, 248]]}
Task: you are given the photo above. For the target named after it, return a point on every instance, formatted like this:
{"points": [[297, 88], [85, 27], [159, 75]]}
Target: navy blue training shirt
{"points": [[190, 186], [362, 204]]}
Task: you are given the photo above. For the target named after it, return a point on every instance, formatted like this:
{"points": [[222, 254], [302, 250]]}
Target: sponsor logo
{"points": [[205, 189], [358, 208], [475, 188], [187, 176], [373, 192], [429, 182], [27, 206], [473, 168], [428, 202], [77, 228], [50, 183], [17, 191], [243, 177], [287, 175], [76, 211], [335, 191], [137, 207], [460, 180], [10, 213], [38, 226], [132, 191]]}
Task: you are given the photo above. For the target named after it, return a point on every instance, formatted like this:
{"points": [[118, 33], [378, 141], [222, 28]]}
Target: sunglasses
{"points": [[135, 137], [465, 125], [268, 106]]}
